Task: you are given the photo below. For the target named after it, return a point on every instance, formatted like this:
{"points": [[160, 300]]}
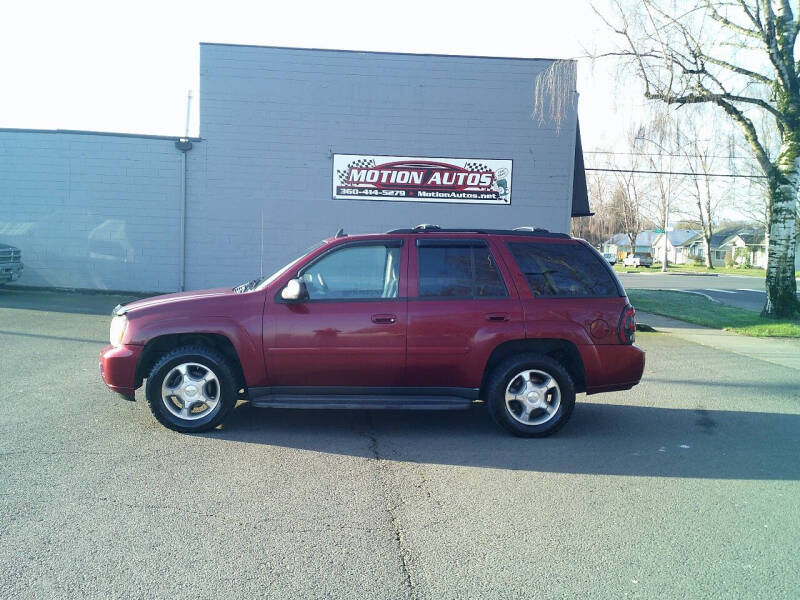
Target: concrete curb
{"points": [[695, 292]]}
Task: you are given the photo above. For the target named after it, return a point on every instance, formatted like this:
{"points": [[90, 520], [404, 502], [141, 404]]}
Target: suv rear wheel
{"points": [[191, 389], [530, 395]]}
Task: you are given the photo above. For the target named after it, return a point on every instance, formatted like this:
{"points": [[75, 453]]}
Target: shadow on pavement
{"points": [[62, 301], [751, 385], [602, 439]]}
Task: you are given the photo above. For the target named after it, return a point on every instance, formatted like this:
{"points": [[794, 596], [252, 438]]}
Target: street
{"points": [[742, 291], [685, 486]]}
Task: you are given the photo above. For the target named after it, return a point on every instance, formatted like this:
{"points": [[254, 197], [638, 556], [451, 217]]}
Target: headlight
{"points": [[118, 326]]}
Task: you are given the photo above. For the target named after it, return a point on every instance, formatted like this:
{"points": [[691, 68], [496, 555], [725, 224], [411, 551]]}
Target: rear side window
{"points": [[565, 270], [458, 271]]}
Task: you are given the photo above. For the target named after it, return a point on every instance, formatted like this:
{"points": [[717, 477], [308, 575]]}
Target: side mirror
{"points": [[294, 291]]}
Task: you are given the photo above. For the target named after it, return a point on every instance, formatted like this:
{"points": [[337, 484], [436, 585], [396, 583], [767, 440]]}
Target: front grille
{"points": [[8, 255]]}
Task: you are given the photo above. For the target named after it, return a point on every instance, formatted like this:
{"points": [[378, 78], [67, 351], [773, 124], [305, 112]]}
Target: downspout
{"points": [[183, 145]]}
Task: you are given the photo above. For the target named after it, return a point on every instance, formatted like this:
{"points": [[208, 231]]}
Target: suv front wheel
{"points": [[191, 389], [530, 395]]}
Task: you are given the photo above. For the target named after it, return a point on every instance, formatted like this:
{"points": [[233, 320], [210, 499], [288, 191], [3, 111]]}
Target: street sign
{"points": [[658, 231]]}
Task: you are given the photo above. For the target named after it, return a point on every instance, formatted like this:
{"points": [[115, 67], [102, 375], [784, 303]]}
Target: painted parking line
{"points": [[721, 291], [746, 290]]}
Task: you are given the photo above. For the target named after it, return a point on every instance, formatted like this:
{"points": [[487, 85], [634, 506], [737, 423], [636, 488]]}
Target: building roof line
{"points": [[172, 138], [421, 54]]}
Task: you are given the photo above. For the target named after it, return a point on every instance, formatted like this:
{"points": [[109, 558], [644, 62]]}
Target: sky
{"points": [[127, 67]]}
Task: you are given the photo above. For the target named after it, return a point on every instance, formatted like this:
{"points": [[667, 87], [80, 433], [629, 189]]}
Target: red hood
{"points": [[175, 298]]}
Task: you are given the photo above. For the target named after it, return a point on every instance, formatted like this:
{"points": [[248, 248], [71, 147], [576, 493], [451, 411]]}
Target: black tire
{"points": [[506, 372], [211, 360]]}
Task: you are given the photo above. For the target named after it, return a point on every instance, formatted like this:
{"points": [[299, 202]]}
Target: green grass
{"points": [[656, 268], [701, 311], [692, 268]]}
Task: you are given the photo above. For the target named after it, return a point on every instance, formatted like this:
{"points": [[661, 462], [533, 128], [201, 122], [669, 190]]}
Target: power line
{"points": [[732, 175], [666, 154]]}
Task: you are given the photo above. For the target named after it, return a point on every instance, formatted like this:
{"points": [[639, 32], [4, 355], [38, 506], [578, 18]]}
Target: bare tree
{"points": [[659, 146], [738, 55], [627, 202], [600, 226], [700, 156]]}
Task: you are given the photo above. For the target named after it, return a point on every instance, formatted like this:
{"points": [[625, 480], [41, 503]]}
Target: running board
{"points": [[359, 402]]}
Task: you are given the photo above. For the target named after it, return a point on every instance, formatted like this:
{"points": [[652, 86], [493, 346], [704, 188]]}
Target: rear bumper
{"points": [[612, 368], [118, 368], [11, 271]]}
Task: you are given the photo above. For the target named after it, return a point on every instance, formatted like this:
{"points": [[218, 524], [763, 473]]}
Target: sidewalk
{"points": [[778, 351]]}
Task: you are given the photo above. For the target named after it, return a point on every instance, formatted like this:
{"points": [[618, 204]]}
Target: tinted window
{"points": [[354, 272], [458, 271], [563, 270]]}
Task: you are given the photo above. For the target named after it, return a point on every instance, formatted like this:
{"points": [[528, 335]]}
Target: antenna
{"points": [[261, 258], [188, 111]]}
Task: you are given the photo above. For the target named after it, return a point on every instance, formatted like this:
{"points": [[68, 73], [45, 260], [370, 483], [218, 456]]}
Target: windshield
{"points": [[261, 284]]}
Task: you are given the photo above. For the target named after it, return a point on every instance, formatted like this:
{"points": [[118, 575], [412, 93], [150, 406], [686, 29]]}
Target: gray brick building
{"points": [[127, 212]]}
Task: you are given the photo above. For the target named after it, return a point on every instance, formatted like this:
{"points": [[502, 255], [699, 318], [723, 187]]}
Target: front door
{"points": [[351, 331]]}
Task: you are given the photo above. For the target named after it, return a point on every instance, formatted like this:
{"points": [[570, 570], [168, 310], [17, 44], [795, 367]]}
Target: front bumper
{"points": [[11, 271], [118, 368]]}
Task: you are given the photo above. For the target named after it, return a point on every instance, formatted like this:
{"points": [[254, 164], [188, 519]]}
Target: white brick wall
{"points": [[271, 118], [103, 211], [92, 210]]}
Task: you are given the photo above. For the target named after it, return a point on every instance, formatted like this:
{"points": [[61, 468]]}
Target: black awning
{"points": [[580, 197]]}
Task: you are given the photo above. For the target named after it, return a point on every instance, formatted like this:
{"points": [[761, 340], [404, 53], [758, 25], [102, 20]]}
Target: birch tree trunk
{"points": [[781, 284], [707, 244]]}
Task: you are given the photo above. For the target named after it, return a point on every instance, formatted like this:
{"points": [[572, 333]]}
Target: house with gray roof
{"points": [[677, 243], [741, 245], [620, 244], [695, 247]]}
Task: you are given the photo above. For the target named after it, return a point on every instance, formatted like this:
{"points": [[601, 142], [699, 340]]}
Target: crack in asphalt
{"points": [[403, 552]]}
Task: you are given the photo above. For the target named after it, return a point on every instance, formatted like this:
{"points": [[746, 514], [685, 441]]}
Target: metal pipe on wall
{"points": [[184, 145]]}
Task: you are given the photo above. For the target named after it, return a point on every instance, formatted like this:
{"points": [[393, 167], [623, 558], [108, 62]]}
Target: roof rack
{"points": [[531, 231]]}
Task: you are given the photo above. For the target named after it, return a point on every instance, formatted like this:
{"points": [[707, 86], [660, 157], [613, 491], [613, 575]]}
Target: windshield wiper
{"points": [[246, 287]]}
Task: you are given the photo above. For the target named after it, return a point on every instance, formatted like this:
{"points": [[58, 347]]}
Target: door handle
{"points": [[384, 319], [497, 316]]}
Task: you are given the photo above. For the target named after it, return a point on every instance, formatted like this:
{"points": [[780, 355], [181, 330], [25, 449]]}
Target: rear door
{"points": [[567, 291], [462, 304]]}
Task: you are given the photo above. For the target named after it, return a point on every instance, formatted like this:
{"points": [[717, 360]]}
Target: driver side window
{"points": [[358, 272]]}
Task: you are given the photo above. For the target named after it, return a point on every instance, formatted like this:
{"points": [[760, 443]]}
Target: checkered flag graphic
{"points": [[362, 163], [474, 166]]}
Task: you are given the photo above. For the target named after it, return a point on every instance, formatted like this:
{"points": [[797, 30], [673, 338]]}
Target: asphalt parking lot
{"points": [[686, 486]]}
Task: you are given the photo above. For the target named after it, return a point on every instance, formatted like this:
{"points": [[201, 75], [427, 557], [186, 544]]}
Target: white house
{"points": [[747, 245], [695, 247], [740, 245], [677, 242], [620, 244]]}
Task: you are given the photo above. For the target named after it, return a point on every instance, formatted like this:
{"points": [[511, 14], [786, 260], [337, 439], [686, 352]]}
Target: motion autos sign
{"points": [[417, 179]]}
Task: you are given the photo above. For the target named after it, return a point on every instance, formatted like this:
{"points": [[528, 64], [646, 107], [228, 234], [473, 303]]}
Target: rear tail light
{"points": [[627, 325]]}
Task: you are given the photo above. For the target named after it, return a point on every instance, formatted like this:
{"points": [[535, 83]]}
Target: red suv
{"points": [[422, 318]]}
